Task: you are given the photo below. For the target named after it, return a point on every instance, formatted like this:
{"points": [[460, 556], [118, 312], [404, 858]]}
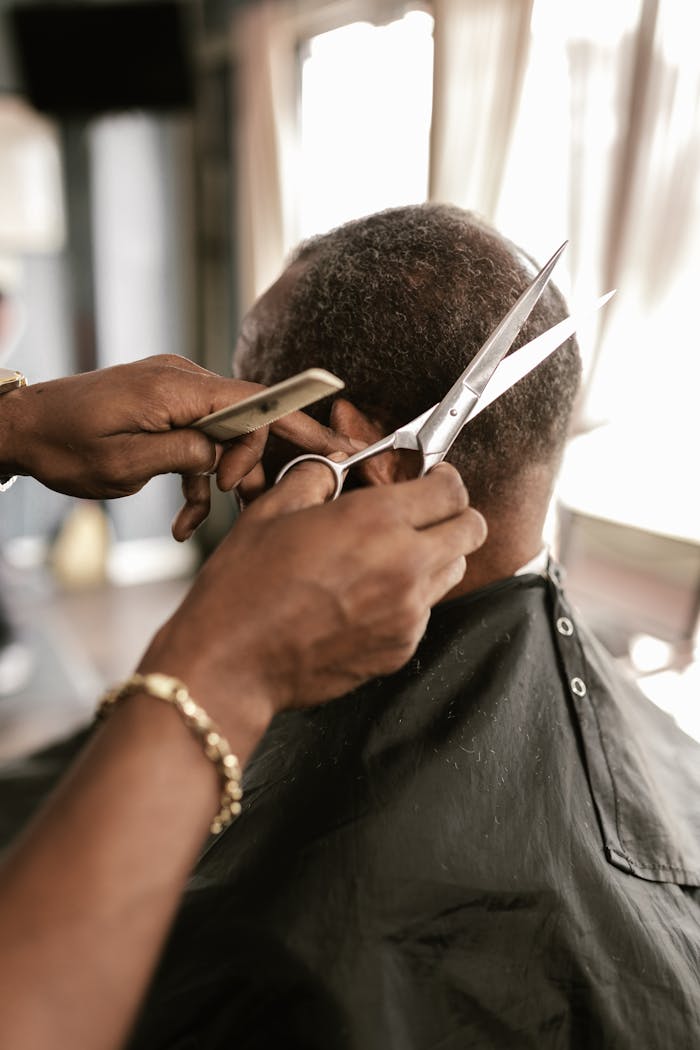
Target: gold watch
{"points": [[9, 380]]}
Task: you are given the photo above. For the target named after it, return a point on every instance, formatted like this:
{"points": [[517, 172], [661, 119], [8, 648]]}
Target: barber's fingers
{"points": [[253, 484], [423, 503], [197, 495], [181, 451], [460, 535], [304, 486], [306, 433], [431, 499], [187, 391], [446, 548], [240, 458], [442, 582], [202, 392]]}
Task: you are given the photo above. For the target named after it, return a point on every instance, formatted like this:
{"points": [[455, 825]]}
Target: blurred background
{"points": [[158, 161]]}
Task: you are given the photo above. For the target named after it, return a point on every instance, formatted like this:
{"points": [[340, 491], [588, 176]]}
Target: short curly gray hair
{"points": [[397, 304]]}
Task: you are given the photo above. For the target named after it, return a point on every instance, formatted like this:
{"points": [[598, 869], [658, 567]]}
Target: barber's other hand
{"points": [[299, 605], [104, 434]]}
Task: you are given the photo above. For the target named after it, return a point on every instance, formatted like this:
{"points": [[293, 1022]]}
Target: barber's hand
{"points": [[104, 434], [299, 605]]}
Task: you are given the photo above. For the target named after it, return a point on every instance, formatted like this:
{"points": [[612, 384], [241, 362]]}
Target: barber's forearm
{"points": [[86, 899], [86, 931]]}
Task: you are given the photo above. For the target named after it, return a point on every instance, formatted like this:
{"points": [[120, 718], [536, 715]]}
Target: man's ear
{"points": [[384, 469]]}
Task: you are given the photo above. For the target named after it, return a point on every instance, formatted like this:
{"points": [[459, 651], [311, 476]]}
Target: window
{"points": [[366, 98]]}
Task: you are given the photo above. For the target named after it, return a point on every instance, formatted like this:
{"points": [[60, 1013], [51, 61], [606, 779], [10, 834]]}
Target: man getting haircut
{"points": [[400, 303], [499, 845]]}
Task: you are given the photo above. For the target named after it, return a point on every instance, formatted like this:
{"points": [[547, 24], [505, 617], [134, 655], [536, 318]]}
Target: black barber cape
{"points": [[499, 846]]}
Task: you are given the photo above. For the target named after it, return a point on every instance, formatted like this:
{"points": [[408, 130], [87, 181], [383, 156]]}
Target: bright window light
{"points": [[650, 654], [366, 101], [675, 692]]}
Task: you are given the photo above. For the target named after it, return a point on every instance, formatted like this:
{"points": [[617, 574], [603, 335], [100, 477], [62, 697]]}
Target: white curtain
{"points": [[481, 49], [583, 120], [265, 97], [649, 354]]}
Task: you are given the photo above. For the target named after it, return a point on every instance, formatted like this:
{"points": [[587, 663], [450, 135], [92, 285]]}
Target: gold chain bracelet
{"points": [[215, 744]]}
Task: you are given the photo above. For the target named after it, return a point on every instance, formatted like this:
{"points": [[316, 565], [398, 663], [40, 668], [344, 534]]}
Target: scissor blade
{"points": [[522, 362], [482, 367], [437, 435]]}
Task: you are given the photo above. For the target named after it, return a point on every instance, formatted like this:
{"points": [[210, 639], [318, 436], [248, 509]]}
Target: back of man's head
{"points": [[397, 304]]}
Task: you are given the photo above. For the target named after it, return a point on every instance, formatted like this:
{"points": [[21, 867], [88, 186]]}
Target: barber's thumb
{"points": [[181, 451], [305, 485]]}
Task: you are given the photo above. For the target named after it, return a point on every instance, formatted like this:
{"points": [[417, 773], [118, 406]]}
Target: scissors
{"points": [[487, 376]]}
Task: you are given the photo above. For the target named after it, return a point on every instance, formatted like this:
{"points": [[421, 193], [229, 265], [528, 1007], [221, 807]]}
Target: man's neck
{"points": [[515, 534], [485, 567]]}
